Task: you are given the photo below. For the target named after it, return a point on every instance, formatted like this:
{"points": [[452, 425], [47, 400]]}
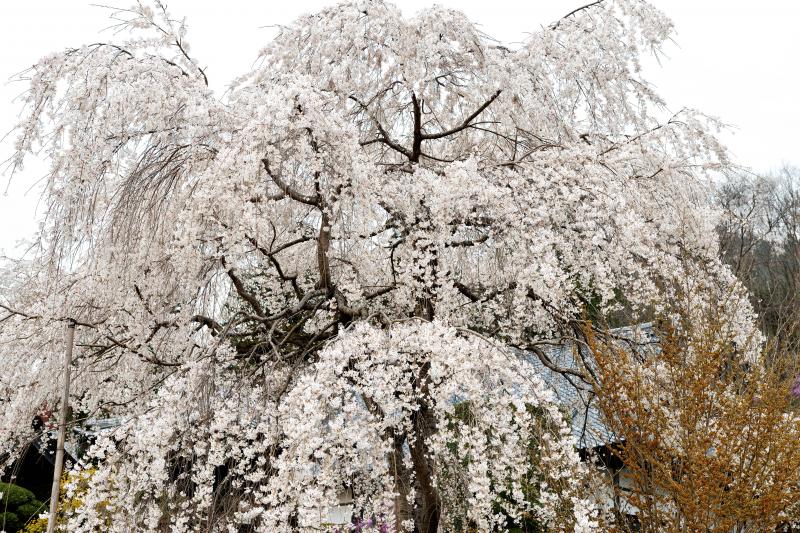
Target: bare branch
{"points": [[466, 123], [242, 291], [384, 136], [313, 199]]}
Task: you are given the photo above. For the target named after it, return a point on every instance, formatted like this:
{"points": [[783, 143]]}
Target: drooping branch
{"points": [[152, 359], [27, 316], [15, 312], [548, 362], [578, 10]]}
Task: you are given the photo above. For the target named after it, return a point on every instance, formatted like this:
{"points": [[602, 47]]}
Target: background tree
{"points": [[365, 223], [760, 239]]}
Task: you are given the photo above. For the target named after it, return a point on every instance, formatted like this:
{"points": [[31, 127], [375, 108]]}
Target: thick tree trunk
{"points": [[427, 505], [402, 484], [428, 511], [323, 245]]}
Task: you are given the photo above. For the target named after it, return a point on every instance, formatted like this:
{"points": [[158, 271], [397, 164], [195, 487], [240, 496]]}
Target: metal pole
{"points": [[62, 430]]}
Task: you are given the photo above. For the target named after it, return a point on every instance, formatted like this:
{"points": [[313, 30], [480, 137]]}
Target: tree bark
{"points": [[323, 245], [427, 513], [402, 484]]}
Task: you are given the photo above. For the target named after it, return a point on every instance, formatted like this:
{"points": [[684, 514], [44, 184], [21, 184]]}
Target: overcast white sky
{"points": [[734, 59]]}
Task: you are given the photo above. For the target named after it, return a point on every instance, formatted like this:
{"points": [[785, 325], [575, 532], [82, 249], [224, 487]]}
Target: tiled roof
{"points": [[576, 396]]}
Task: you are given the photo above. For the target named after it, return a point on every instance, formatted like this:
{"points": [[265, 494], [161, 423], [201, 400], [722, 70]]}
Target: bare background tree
{"points": [[760, 239]]}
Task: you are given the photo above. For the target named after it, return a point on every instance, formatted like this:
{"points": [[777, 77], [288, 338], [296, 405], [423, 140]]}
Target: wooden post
{"points": [[62, 430]]}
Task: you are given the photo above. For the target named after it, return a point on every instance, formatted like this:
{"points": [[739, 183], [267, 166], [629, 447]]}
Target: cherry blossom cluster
{"points": [[309, 286]]}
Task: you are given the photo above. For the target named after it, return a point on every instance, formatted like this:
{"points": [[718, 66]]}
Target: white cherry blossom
{"points": [[287, 292]]}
